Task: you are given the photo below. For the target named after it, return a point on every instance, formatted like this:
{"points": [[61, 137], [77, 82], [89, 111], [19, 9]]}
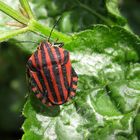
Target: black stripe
{"points": [[74, 90], [63, 69], [56, 74], [31, 82], [47, 74], [30, 66], [39, 75], [34, 84], [46, 44], [36, 59], [66, 57], [65, 77], [74, 83]]}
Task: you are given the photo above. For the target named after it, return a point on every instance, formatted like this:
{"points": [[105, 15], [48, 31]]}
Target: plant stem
{"points": [[36, 27], [25, 5], [13, 13], [9, 34], [31, 23]]}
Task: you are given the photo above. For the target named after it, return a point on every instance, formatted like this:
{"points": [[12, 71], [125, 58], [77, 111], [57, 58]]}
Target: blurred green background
{"points": [[13, 87]]}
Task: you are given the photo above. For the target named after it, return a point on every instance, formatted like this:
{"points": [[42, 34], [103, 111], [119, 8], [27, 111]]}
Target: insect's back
{"points": [[53, 69]]}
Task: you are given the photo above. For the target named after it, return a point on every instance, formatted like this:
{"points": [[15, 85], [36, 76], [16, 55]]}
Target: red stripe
{"points": [[68, 71], [52, 78], [60, 72], [32, 58], [34, 75]]}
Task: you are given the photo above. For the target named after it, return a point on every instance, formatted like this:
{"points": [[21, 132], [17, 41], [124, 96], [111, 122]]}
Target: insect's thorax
{"points": [[54, 55]]}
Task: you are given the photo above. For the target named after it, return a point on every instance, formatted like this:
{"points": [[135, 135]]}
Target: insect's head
{"points": [[44, 44]]}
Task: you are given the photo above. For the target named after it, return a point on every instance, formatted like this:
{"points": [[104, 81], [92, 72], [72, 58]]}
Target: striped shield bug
{"points": [[51, 76]]}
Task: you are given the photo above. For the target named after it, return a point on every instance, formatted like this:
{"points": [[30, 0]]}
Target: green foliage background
{"points": [[105, 53]]}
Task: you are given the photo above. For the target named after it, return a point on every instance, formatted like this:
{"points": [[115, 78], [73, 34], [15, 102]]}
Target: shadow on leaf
{"points": [[52, 111]]}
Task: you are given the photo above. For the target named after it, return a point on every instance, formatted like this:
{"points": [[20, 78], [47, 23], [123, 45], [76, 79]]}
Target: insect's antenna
{"points": [[53, 28]]}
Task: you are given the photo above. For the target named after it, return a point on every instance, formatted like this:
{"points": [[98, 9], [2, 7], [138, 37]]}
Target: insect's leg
{"points": [[73, 84]]}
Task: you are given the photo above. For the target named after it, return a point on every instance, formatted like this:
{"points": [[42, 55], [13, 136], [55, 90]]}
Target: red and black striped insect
{"points": [[50, 74]]}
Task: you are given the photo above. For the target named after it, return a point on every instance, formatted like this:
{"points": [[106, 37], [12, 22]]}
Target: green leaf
{"points": [[130, 10], [107, 101], [112, 7], [9, 34], [13, 13], [83, 15]]}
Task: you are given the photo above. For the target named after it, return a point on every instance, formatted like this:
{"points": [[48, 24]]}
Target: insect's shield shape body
{"points": [[51, 74]]}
